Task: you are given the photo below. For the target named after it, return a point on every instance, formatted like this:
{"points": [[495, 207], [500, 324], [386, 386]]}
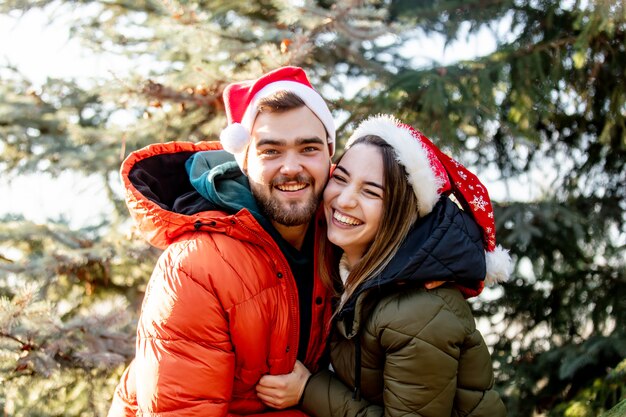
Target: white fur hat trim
{"points": [[499, 265], [235, 138], [311, 98]]}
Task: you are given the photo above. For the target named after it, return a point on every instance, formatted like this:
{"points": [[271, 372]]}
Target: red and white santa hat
{"points": [[241, 101], [431, 174]]}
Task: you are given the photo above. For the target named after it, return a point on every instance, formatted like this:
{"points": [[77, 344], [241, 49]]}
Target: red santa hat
{"points": [[241, 101], [431, 174]]}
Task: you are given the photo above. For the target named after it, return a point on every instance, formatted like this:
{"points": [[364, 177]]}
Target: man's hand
{"points": [[283, 391], [430, 285]]}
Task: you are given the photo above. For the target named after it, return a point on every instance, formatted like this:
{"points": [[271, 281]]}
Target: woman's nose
{"points": [[345, 198]]}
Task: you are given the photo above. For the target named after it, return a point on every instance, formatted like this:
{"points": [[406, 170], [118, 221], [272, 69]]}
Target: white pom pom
{"points": [[499, 265], [234, 138]]}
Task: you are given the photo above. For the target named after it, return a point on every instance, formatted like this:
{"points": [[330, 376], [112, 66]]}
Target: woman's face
{"points": [[353, 200]]}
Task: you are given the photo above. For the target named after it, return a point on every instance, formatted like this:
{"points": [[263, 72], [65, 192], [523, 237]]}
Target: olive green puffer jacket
{"points": [[401, 350]]}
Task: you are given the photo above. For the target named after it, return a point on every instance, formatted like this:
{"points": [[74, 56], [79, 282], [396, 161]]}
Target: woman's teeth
{"points": [[346, 219]]}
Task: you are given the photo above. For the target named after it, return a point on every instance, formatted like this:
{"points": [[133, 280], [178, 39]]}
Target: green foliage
{"points": [[543, 114], [58, 354], [617, 411], [65, 327], [597, 396]]}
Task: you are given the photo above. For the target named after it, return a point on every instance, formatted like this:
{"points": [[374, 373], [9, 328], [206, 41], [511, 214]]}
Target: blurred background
{"points": [[529, 94]]}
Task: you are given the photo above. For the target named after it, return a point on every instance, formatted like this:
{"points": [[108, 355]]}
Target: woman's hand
{"points": [[283, 391]]}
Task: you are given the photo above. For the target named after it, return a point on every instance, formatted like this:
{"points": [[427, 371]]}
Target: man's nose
{"points": [[291, 164]]}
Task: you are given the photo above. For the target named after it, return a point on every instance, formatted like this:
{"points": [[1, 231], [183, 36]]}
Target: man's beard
{"points": [[292, 214]]}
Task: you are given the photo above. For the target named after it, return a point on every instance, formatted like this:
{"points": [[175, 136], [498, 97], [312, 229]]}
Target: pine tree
{"points": [[547, 103], [549, 100]]}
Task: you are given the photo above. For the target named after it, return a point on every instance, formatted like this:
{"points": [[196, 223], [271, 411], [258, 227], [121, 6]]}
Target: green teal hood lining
{"points": [[216, 176]]}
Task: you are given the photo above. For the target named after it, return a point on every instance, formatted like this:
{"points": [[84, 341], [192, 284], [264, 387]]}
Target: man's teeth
{"points": [[291, 187], [347, 220]]}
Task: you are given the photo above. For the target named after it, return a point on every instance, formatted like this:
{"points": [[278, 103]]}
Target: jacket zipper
{"points": [[292, 347]]}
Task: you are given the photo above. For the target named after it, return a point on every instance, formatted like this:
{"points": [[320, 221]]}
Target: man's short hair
{"points": [[280, 102]]}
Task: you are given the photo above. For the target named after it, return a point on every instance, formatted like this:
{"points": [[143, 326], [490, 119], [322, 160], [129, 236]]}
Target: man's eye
{"points": [[311, 149], [269, 152]]}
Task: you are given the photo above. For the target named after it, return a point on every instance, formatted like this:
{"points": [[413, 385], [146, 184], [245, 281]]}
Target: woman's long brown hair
{"points": [[398, 216]]}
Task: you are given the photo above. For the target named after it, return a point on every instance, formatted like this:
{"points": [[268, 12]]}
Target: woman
{"points": [[404, 341]]}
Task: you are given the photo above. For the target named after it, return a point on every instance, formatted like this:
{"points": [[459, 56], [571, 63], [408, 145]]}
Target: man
{"points": [[233, 296]]}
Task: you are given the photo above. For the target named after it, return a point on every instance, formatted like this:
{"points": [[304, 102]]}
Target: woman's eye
{"points": [[373, 194], [339, 178]]}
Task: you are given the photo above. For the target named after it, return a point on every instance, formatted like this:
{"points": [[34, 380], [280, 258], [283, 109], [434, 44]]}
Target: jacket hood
{"points": [[217, 178], [178, 187], [161, 198], [445, 245]]}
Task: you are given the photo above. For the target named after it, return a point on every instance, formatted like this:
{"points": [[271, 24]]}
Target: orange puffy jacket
{"points": [[221, 307]]}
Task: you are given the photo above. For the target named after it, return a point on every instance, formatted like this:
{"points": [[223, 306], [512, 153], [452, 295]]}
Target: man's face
{"points": [[288, 162]]}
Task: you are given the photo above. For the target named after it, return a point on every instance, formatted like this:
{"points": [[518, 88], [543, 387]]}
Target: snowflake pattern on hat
{"points": [[474, 196]]}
